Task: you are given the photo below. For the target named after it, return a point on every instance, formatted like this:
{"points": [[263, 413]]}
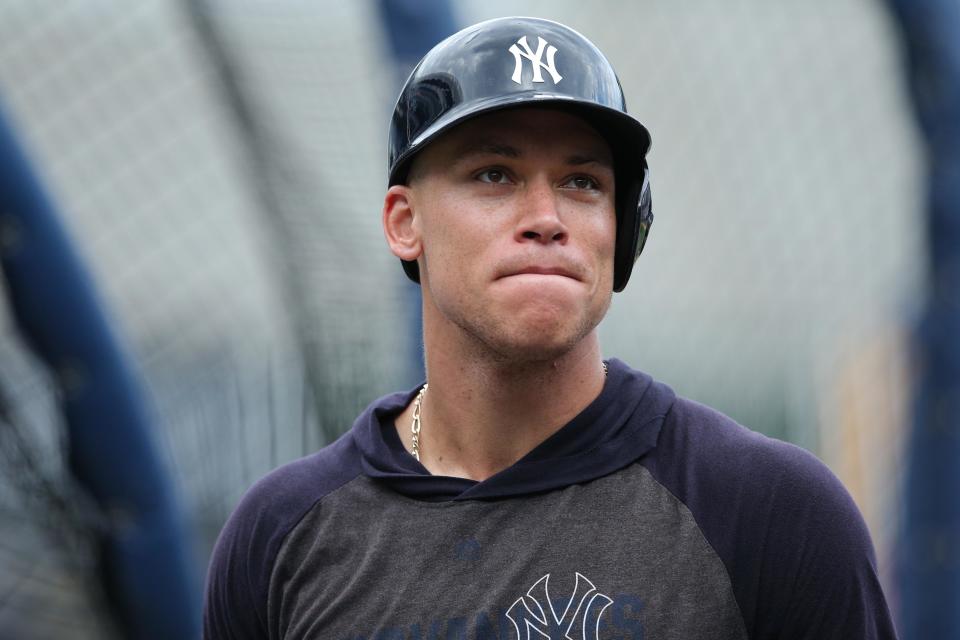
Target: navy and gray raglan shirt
{"points": [[647, 516]]}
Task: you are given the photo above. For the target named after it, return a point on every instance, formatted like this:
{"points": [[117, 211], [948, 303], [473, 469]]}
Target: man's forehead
{"points": [[508, 132]]}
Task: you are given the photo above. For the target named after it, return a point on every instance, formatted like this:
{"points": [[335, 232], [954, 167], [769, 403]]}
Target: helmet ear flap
{"points": [[412, 269], [644, 211], [634, 218]]}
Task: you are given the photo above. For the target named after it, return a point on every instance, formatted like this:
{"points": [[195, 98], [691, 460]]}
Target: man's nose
{"points": [[540, 219]]}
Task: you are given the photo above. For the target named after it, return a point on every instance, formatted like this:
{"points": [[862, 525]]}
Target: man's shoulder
{"points": [[243, 557], [699, 448], [719, 451], [283, 495], [276, 502], [748, 491], [757, 501]]}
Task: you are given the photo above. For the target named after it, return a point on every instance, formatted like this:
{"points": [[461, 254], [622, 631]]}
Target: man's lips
{"points": [[541, 270]]}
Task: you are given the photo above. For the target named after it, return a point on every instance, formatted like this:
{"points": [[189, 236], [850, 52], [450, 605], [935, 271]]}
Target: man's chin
{"points": [[539, 343], [531, 330]]}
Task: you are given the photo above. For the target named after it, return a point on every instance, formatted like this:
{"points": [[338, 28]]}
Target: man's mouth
{"points": [[543, 270]]}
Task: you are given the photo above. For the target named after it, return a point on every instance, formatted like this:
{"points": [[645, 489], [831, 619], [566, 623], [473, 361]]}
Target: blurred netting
{"points": [[220, 165], [47, 552], [194, 231]]}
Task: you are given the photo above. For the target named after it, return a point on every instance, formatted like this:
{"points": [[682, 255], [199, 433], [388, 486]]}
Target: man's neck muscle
{"points": [[480, 415]]}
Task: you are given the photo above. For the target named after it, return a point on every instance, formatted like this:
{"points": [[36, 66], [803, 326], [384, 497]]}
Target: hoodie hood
{"points": [[617, 428]]}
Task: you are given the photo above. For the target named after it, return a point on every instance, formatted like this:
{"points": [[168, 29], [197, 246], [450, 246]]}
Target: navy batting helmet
{"points": [[511, 62]]}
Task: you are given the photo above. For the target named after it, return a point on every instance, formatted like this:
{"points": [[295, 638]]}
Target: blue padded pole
{"points": [[145, 560], [929, 548]]}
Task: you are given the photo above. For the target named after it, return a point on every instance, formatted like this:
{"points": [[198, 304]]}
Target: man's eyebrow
{"points": [[580, 158], [503, 149], [495, 148]]}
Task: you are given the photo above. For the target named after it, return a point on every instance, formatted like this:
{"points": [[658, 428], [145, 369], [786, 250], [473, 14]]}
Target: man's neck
{"points": [[481, 415]]}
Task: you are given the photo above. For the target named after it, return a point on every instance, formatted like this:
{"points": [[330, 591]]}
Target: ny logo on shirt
{"points": [[535, 58], [580, 619]]}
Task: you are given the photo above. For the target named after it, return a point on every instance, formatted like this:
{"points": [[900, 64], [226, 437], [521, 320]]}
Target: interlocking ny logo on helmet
{"points": [[535, 59]]}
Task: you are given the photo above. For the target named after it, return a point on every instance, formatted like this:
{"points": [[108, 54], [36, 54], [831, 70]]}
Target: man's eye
{"points": [[583, 182], [493, 176]]}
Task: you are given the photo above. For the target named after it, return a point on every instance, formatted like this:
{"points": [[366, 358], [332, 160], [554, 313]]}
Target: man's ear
{"points": [[399, 226]]}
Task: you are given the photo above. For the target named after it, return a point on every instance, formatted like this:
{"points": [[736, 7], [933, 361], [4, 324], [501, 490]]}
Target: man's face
{"points": [[516, 222]]}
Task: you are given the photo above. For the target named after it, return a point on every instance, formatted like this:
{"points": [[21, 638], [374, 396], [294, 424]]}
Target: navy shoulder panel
{"points": [[796, 548], [243, 557]]}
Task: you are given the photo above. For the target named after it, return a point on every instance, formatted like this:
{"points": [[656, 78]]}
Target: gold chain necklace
{"points": [[415, 425]]}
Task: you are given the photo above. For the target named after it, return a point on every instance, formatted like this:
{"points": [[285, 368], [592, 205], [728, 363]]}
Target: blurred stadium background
{"points": [[220, 167]]}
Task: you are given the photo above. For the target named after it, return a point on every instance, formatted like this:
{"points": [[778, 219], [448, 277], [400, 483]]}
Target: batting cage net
{"points": [[221, 166]]}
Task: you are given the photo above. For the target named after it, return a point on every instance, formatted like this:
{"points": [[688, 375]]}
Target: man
{"points": [[533, 490]]}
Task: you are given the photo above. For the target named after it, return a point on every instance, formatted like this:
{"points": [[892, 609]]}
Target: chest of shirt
{"points": [[618, 557]]}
